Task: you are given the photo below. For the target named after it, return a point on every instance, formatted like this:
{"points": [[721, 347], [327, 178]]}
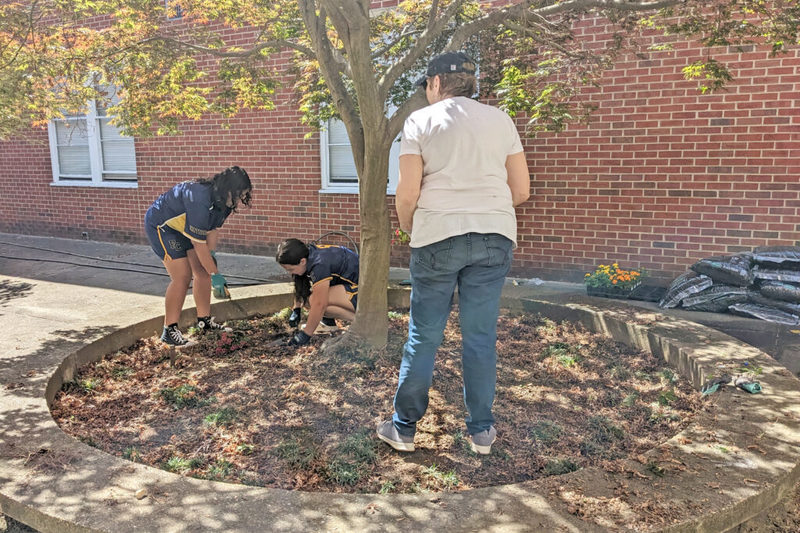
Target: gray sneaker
{"points": [[482, 442], [389, 434]]}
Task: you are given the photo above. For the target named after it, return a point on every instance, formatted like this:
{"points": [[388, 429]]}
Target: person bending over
{"points": [[325, 281], [182, 227]]}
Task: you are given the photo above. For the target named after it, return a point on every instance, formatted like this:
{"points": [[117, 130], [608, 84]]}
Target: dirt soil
{"points": [[241, 409]]}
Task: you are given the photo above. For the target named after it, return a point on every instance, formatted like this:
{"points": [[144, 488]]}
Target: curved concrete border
{"points": [[726, 467]]}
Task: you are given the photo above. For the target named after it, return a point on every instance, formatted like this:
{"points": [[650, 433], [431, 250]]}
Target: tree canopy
{"points": [[350, 59]]}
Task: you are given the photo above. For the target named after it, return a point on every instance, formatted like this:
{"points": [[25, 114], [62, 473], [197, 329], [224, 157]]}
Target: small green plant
{"points": [[387, 487], [612, 276], [562, 352], [352, 458], [297, 452], [228, 342], [394, 315], [343, 472], [556, 467], [89, 385], [184, 396], [667, 397], [132, 454], [603, 430], [121, 372], [555, 349], [222, 418], [447, 480], [219, 470], [400, 236], [180, 465], [360, 446], [668, 376], [244, 448], [630, 399], [283, 314], [460, 441], [567, 360], [589, 447], [546, 432], [547, 326], [750, 368]]}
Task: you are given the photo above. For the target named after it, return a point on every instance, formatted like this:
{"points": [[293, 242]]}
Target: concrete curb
{"points": [[727, 466]]}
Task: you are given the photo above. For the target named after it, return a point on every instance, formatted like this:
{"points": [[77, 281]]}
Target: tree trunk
{"points": [[371, 322]]}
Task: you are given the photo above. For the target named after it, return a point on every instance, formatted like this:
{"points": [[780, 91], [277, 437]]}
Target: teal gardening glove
{"points": [[219, 286]]}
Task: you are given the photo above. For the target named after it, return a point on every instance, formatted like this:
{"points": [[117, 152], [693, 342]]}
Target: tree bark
{"points": [[371, 322]]}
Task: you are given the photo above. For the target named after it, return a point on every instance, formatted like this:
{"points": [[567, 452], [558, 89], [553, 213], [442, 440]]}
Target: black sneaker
{"points": [[207, 323], [173, 337]]}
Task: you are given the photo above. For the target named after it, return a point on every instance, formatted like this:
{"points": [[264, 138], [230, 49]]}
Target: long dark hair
{"points": [[234, 181], [291, 252]]}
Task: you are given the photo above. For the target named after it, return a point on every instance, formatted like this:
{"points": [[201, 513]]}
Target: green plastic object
{"points": [[753, 387], [713, 385]]}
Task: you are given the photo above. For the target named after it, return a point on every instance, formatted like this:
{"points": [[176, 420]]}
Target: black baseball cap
{"points": [[447, 63]]}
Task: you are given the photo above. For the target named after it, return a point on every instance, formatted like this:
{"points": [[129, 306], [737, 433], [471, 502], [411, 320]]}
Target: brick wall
{"points": [[661, 176]]}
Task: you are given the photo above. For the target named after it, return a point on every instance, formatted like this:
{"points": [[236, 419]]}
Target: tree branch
{"points": [[435, 27], [278, 43], [515, 12], [433, 13], [383, 49], [328, 63]]}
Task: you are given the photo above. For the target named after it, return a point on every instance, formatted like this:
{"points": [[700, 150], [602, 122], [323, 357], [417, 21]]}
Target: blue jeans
{"points": [[477, 263]]}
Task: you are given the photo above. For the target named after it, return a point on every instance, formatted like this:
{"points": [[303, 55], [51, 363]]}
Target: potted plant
{"points": [[611, 281]]}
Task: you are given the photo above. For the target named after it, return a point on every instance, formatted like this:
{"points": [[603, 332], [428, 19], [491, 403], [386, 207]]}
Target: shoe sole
{"points": [[481, 450], [399, 446], [322, 328], [180, 346]]}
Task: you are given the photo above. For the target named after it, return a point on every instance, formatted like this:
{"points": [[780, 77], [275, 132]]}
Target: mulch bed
{"points": [[241, 409]]}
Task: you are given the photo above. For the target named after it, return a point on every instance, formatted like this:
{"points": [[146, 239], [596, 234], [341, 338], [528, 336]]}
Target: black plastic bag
{"points": [[769, 314], [727, 270], [761, 272], [715, 299], [786, 257], [684, 285], [756, 297], [780, 290]]}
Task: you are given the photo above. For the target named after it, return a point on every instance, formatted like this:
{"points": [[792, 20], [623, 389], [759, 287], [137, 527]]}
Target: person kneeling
{"points": [[325, 281]]}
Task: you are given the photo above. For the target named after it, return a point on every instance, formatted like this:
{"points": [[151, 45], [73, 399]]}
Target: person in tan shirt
{"points": [[462, 173]]}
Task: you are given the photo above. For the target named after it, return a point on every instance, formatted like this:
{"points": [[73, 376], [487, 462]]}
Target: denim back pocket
{"points": [[498, 249], [435, 256]]}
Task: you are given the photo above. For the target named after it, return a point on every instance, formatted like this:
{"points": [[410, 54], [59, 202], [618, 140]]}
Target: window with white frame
{"points": [[174, 10], [338, 167], [88, 150]]}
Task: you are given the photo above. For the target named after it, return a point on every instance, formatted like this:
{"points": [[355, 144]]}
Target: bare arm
{"points": [[519, 179], [204, 256], [408, 189], [318, 302]]}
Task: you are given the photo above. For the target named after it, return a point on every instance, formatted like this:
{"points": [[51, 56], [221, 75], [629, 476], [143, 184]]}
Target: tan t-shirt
{"points": [[464, 145]]}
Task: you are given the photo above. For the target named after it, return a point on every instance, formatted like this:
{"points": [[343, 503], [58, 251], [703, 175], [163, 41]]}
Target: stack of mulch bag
{"points": [[764, 283]]}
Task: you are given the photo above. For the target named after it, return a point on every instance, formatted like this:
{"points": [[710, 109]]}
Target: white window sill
{"points": [[348, 190], [101, 185]]}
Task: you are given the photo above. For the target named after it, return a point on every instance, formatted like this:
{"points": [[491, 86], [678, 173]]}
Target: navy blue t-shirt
{"points": [[335, 263], [188, 208]]}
